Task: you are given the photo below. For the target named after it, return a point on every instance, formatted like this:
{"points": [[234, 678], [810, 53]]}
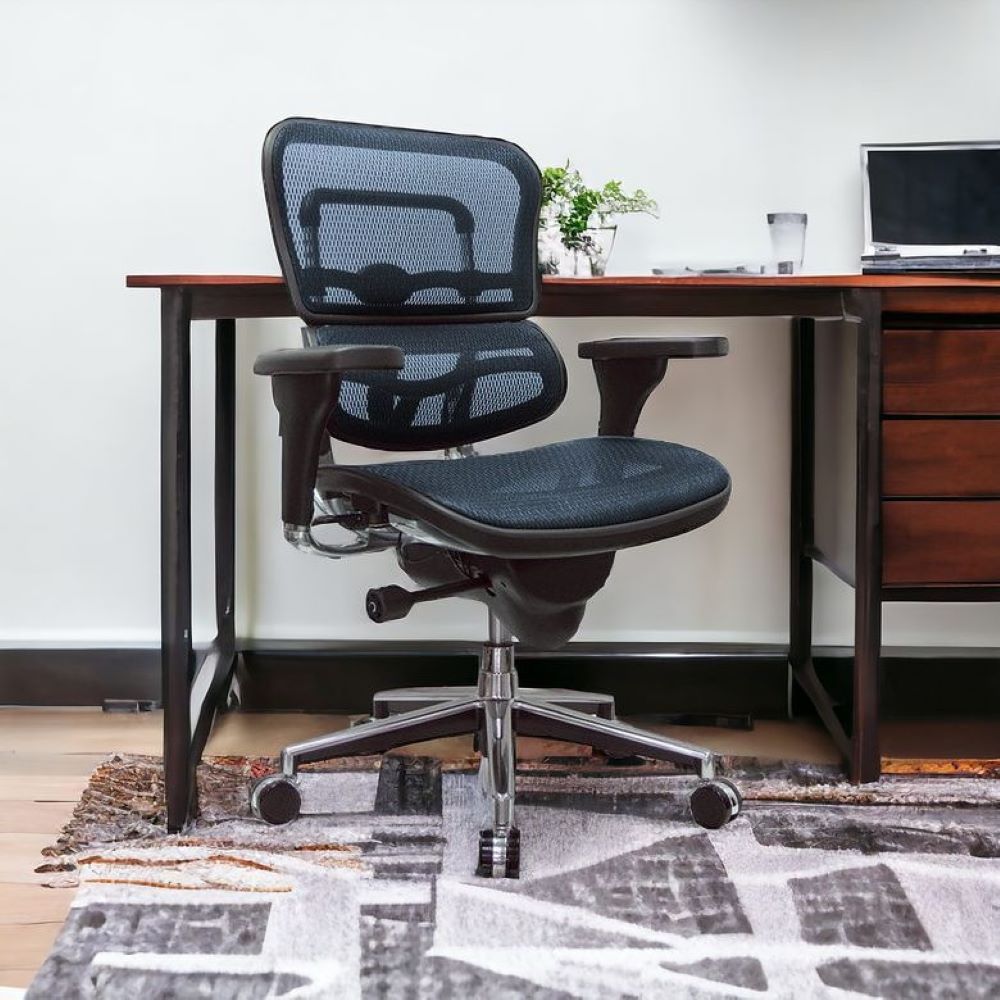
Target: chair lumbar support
{"points": [[495, 711]]}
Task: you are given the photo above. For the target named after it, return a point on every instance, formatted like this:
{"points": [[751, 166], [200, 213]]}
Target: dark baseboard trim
{"points": [[645, 678], [78, 677], [918, 683]]}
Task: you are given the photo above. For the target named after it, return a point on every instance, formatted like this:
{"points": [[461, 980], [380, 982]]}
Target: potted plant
{"points": [[575, 235]]}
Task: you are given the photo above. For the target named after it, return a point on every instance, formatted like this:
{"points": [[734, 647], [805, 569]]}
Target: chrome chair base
{"points": [[396, 700], [496, 711]]}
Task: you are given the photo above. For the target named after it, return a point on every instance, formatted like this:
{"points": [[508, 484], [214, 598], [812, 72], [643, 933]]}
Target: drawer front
{"points": [[941, 371], [941, 458], [927, 542]]}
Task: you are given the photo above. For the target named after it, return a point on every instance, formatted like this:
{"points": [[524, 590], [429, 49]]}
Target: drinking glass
{"points": [[788, 240]]}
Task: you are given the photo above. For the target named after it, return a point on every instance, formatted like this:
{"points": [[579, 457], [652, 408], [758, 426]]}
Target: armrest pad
{"points": [[628, 369], [655, 347], [327, 360]]}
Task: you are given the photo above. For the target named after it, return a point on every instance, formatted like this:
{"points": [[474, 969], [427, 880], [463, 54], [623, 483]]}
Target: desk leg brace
{"points": [[861, 749], [210, 687], [800, 589]]}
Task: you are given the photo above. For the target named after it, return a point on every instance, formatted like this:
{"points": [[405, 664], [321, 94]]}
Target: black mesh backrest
{"points": [[428, 240], [461, 383], [384, 222]]}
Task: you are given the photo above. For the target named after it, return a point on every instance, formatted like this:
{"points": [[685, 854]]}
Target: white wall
{"points": [[131, 144]]}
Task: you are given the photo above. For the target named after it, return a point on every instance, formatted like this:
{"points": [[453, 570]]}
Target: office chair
{"points": [[412, 257]]}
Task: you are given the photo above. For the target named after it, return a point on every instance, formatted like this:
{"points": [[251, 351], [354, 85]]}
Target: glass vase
{"points": [[589, 259]]}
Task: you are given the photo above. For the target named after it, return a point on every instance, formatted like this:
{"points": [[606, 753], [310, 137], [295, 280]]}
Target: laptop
{"points": [[931, 207]]}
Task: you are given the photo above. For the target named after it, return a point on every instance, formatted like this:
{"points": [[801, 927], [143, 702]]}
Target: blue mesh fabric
{"points": [[393, 222], [462, 382], [574, 484]]}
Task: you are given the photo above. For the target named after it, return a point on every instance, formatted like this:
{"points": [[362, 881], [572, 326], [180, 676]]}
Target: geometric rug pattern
{"points": [[371, 894]]}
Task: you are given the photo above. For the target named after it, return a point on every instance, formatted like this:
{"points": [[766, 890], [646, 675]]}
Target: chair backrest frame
{"points": [[391, 285]]}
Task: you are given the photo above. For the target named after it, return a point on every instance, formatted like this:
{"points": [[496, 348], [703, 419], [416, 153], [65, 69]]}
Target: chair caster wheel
{"points": [[499, 853], [275, 799], [715, 803]]}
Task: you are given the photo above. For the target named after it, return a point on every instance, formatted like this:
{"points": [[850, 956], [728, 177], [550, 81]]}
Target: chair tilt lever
{"points": [[387, 604]]}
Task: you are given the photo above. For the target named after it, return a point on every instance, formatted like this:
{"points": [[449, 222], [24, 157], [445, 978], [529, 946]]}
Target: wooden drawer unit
{"points": [[941, 371], [941, 440], [941, 458], [940, 542]]}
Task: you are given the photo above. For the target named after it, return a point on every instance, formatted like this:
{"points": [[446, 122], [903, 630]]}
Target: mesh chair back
{"points": [[461, 383], [430, 241], [383, 222]]}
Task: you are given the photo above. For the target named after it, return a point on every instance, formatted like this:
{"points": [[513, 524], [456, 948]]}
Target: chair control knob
{"points": [[388, 604]]}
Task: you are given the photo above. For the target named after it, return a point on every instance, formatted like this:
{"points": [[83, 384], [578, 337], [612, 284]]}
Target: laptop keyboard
{"points": [[895, 265]]}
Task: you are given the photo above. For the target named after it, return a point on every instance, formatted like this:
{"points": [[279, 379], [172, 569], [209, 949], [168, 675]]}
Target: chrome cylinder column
{"points": [[496, 692]]}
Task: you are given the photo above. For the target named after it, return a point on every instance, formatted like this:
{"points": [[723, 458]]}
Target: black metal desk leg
{"points": [[225, 483], [215, 670], [801, 520], [866, 763], [177, 659], [800, 582]]}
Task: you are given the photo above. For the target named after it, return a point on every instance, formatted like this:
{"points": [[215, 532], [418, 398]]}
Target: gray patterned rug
{"points": [[819, 890]]}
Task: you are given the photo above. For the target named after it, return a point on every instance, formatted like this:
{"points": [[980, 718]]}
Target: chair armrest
{"points": [[327, 360], [655, 347], [628, 369], [305, 383]]}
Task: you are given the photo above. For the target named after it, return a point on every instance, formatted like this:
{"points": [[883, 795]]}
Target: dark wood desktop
{"points": [[895, 428]]}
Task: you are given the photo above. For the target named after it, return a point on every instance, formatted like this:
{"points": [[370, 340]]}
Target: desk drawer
{"points": [[940, 542], [941, 458], [941, 371]]}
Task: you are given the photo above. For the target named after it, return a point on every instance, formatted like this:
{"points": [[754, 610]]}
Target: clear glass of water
{"points": [[788, 240]]}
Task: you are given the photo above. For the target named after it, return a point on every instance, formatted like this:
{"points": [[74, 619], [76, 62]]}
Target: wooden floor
{"points": [[46, 756]]}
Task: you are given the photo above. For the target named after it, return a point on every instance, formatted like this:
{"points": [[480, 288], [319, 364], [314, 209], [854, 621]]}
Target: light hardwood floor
{"points": [[46, 756]]}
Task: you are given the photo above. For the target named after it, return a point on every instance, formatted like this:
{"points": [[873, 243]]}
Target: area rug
{"points": [[817, 890]]}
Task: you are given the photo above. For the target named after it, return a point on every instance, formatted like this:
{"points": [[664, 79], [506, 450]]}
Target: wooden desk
{"points": [[934, 550]]}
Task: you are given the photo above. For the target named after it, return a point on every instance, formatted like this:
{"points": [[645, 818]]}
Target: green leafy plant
{"points": [[572, 207]]}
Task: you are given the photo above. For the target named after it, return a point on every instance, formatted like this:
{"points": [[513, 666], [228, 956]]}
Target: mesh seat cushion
{"points": [[586, 483]]}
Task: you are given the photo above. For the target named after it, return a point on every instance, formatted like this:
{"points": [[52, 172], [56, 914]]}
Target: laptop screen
{"points": [[934, 195]]}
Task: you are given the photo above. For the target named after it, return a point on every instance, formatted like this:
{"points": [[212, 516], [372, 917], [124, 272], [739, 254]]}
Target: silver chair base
{"points": [[496, 711], [392, 702]]}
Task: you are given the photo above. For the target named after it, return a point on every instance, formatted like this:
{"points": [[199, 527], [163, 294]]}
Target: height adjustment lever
{"points": [[387, 604]]}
